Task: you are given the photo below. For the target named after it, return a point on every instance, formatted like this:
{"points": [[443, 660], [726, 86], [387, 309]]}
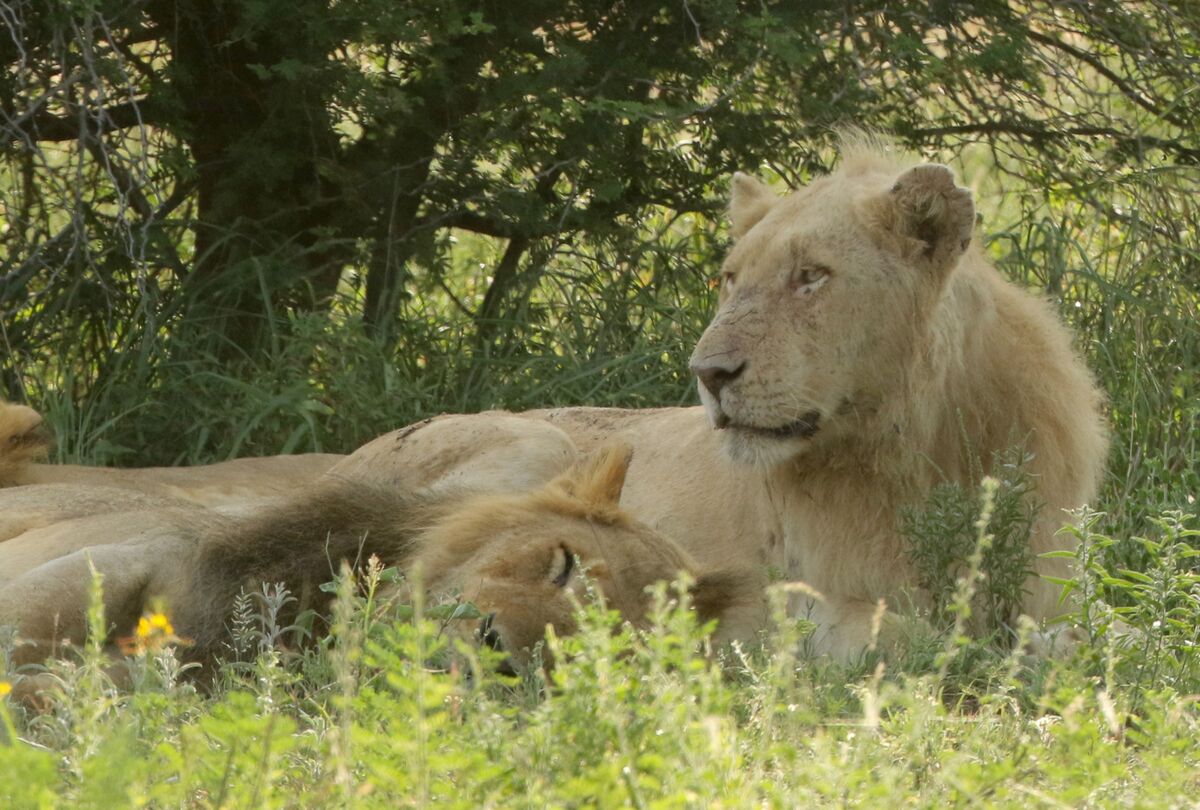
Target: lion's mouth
{"points": [[803, 428]]}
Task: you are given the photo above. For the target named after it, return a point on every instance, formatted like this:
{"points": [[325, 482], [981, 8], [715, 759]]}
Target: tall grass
{"points": [[606, 328], [387, 712]]}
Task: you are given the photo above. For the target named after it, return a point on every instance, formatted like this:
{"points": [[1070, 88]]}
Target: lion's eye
{"points": [[727, 280], [805, 280], [564, 563]]}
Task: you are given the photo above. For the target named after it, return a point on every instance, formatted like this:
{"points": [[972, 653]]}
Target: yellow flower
{"points": [[153, 632], [155, 624], [5, 688]]}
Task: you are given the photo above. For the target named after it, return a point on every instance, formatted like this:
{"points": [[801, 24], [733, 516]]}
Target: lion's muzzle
{"points": [[714, 373], [803, 428]]}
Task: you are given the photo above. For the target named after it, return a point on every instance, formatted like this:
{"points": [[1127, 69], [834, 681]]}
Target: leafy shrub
{"points": [[946, 530]]}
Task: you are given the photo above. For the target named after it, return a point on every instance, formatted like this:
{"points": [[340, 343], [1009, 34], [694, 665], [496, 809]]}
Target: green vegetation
{"points": [[391, 712], [261, 226]]}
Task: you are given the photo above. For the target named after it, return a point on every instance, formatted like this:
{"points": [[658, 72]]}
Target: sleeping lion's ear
{"points": [[749, 201], [598, 477], [932, 217]]}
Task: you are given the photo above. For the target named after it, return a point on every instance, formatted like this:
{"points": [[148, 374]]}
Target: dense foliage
{"points": [[189, 187]]}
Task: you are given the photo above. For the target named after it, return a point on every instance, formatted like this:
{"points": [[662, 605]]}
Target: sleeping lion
{"points": [[519, 557]]}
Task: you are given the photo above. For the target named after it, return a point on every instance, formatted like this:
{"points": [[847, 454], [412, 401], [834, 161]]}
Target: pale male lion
{"points": [[864, 350]]}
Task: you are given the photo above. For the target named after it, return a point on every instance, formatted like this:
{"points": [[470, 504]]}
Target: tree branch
{"points": [[1186, 154], [503, 279], [1129, 91], [47, 127]]}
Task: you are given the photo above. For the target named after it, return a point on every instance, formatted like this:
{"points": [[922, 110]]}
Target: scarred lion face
{"points": [[824, 298]]}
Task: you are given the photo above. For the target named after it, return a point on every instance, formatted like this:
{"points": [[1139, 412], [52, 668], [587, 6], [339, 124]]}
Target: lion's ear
{"points": [[933, 217], [23, 441], [749, 201], [598, 477]]}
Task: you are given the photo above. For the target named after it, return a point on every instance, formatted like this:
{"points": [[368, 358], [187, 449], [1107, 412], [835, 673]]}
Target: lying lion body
{"points": [[517, 556], [234, 484], [506, 453]]}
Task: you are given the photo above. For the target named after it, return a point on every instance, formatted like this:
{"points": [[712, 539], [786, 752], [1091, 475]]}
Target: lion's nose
{"points": [[488, 634], [715, 376]]}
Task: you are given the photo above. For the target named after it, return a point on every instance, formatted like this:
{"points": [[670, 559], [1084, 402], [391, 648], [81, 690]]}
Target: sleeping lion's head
{"points": [[824, 298], [526, 560]]}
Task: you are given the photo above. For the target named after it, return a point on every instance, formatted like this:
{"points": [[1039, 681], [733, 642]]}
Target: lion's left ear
{"points": [[749, 202], [597, 478], [932, 217]]}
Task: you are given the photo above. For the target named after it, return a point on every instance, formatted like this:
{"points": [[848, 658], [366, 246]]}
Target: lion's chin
{"points": [[803, 428], [767, 448], [756, 451]]}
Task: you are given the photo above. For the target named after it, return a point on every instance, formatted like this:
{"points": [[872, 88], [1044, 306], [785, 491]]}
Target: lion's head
{"points": [[526, 560], [823, 301]]}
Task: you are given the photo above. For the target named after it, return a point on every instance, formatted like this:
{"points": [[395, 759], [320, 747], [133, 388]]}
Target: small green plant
{"points": [[956, 532], [1142, 624]]}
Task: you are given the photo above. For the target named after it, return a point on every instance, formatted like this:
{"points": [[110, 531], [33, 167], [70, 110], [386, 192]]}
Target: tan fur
{"points": [[34, 506], [512, 555], [23, 441], [493, 452], [229, 485], [237, 484]]}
